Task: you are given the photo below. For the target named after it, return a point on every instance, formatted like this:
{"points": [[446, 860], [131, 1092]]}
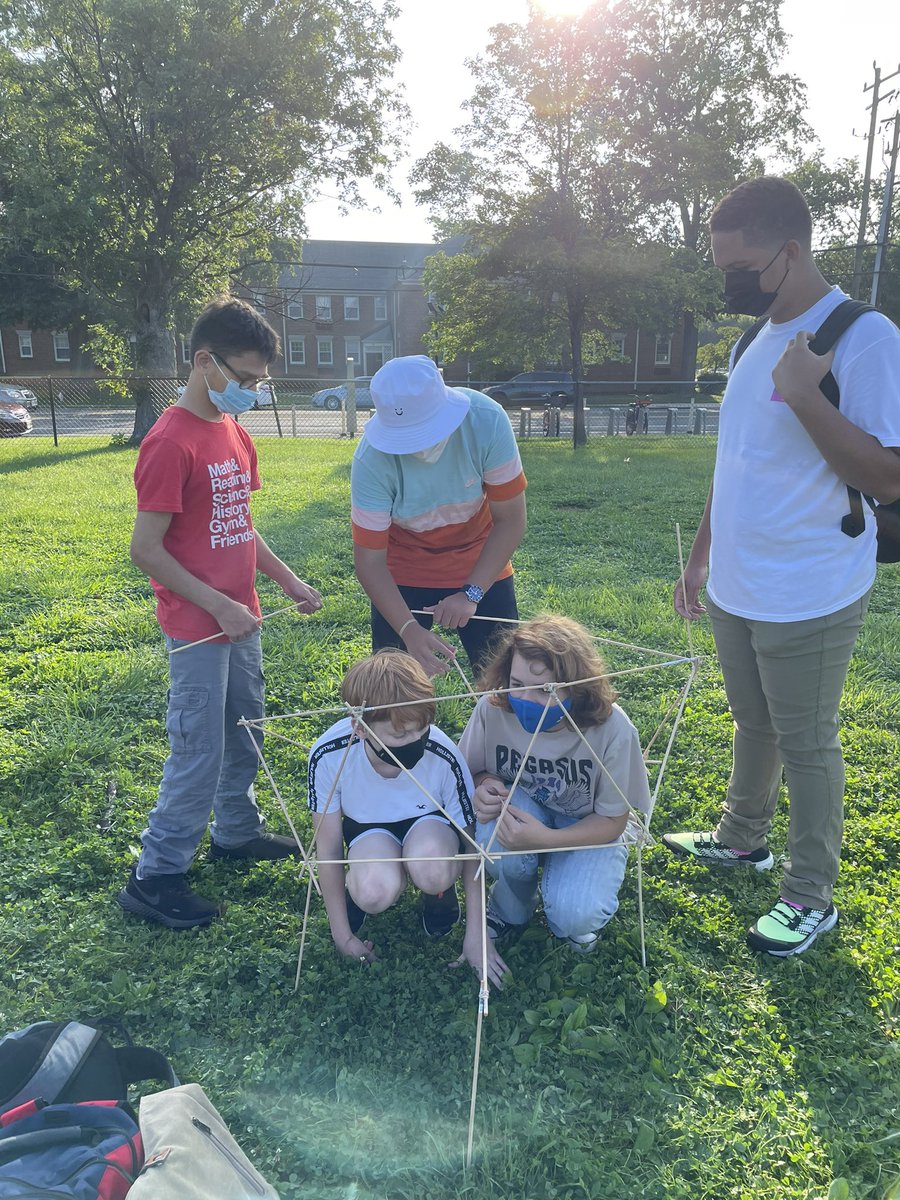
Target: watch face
{"points": [[474, 593]]}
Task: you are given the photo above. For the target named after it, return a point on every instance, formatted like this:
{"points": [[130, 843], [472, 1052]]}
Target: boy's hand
{"points": [[519, 830], [799, 371], [471, 954], [454, 611], [308, 600], [354, 947], [488, 798], [429, 650], [236, 621], [686, 597]]}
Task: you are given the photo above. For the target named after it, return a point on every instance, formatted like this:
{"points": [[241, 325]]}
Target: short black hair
{"points": [[229, 326], [765, 210]]}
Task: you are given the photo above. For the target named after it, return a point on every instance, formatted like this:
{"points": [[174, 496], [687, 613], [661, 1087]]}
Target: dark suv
{"points": [[539, 387]]}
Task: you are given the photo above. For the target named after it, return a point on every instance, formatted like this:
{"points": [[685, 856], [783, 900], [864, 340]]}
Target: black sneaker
{"points": [[355, 915], [262, 848], [167, 899], [440, 913], [501, 931]]}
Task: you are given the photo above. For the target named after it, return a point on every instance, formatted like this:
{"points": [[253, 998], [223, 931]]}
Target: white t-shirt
{"points": [[560, 772], [777, 552], [367, 797]]}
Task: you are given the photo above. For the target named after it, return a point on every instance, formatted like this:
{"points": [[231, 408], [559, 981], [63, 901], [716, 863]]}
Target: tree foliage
{"points": [[548, 220], [157, 146], [594, 152]]}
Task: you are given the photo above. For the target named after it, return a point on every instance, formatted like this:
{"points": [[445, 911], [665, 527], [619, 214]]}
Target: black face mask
{"points": [[743, 293], [407, 755]]}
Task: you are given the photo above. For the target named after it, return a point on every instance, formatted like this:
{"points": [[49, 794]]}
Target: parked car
{"points": [[15, 419], [18, 395], [334, 397], [541, 387]]}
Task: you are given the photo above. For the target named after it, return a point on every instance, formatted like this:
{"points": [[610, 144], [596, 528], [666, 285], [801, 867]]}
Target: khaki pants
{"points": [[784, 682]]}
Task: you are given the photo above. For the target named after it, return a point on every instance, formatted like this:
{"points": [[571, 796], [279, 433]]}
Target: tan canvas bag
{"points": [[190, 1155]]}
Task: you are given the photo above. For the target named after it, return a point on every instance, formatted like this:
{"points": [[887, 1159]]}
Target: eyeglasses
{"points": [[247, 381]]}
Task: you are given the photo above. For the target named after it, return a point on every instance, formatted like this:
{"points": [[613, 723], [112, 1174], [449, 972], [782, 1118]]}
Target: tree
{"points": [[161, 145], [699, 102], [551, 258]]}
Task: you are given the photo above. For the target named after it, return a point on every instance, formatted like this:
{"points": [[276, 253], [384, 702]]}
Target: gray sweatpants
{"points": [[212, 763]]}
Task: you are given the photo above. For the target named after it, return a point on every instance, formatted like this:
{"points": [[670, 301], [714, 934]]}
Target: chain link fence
{"points": [[107, 410]]}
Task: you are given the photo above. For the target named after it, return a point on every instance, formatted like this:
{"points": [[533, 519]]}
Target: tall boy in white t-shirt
{"points": [[395, 788], [787, 588]]}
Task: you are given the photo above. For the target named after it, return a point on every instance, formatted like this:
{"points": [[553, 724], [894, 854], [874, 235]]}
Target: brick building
{"points": [[358, 301]]}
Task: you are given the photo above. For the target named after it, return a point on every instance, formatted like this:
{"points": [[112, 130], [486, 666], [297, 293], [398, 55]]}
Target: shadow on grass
{"points": [[50, 456]]}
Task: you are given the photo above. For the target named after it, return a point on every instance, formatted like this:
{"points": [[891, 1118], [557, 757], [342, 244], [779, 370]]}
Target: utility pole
{"points": [[875, 89], [867, 179], [885, 225]]}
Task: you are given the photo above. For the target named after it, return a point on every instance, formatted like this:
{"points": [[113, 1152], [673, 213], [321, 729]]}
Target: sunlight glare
{"points": [[562, 8]]}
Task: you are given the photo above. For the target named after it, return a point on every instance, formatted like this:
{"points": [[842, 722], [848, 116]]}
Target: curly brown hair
{"points": [[391, 677], [568, 652]]}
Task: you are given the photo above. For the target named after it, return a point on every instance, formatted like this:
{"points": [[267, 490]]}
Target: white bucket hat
{"points": [[414, 409]]}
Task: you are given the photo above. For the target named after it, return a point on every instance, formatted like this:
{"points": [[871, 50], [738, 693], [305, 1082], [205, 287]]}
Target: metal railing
{"points": [[113, 410]]}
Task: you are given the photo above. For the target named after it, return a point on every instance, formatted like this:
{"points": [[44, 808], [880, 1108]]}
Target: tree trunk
{"points": [[689, 337], [576, 333], [155, 380]]}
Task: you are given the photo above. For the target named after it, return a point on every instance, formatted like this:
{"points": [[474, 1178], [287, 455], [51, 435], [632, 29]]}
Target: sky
{"points": [[832, 53]]}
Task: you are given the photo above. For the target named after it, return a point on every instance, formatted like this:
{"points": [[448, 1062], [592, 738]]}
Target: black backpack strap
{"points": [[836, 323], [140, 1062], [746, 338]]}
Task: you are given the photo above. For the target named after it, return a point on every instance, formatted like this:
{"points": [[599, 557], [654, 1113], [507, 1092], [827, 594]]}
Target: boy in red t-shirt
{"points": [[194, 537]]}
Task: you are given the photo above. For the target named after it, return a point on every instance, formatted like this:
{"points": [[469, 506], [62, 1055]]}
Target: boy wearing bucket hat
{"points": [[438, 507]]}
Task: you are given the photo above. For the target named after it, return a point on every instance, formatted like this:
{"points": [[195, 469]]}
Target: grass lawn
{"points": [[713, 1074]]}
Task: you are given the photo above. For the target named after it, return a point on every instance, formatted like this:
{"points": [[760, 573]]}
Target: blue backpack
{"points": [[87, 1151]]}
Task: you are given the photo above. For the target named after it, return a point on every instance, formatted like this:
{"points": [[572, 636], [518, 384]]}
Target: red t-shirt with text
{"points": [[203, 473]]}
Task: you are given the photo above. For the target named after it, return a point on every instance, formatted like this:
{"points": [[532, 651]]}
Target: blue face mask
{"points": [[529, 713], [234, 399]]}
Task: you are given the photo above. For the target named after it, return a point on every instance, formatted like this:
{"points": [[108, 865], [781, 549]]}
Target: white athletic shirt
{"points": [[367, 797], [777, 552]]}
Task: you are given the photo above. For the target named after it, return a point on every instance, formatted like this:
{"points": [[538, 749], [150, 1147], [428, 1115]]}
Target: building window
{"points": [[663, 349], [351, 308], [297, 351], [618, 341], [352, 350], [259, 302], [26, 349], [295, 310], [380, 313], [325, 351], [323, 308], [61, 349], [185, 350]]}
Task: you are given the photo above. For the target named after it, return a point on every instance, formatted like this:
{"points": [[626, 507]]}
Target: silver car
{"points": [[13, 394], [334, 397]]}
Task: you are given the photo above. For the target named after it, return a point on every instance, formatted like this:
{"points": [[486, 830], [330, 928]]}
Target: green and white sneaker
{"points": [[705, 848], [790, 928]]}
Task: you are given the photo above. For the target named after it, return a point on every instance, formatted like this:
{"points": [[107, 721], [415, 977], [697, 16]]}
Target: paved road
{"points": [[664, 420]]}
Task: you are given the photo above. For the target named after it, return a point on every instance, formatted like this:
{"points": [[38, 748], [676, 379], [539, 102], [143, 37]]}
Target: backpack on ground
{"points": [[88, 1151], [67, 1062], [190, 1154], [887, 516]]}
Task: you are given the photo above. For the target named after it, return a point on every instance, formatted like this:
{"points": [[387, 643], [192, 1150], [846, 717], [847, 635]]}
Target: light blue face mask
{"points": [[529, 713], [234, 399]]}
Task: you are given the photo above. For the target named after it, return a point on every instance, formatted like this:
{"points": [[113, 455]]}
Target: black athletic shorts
{"points": [[354, 830]]}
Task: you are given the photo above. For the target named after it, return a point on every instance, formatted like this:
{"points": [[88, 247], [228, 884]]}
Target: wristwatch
{"points": [[473, 592]]}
